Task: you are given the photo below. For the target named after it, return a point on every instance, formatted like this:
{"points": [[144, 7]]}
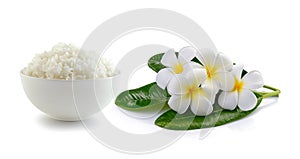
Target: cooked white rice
{"points": [[65, 63]]}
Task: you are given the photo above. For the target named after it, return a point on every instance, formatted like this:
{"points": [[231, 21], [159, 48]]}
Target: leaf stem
{"points": [[275, 92]]}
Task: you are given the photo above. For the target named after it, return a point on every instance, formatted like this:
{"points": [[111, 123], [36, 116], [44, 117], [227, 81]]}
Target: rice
{"points": [[64, 62]]}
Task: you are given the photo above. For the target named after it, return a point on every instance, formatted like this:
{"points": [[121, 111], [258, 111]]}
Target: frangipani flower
{"points": [[237, 90], [186, 91], [175, 66], [217, 66]]}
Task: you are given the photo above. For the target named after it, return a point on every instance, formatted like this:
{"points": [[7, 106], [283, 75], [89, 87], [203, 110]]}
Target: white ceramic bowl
{"points": [[70, 100]]}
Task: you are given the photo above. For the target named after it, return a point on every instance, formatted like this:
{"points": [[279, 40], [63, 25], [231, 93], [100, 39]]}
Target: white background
{"points": [[263, 35]]}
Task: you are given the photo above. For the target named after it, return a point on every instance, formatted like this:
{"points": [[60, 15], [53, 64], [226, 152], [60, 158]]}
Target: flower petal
{"points": [[196, 76], [247, 100], [226, 81], [201, 106], [208, 93], [253, 80], [196, 65], [163, 77], [207, 57], [228, 100], [178, 85], [237, 71], [212, 84], [179, 103], [223, 63], [187, 67], [169, 58], [186, 54]]}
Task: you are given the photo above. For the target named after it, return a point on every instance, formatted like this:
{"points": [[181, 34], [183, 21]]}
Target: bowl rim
{"points": [[118, 74]]}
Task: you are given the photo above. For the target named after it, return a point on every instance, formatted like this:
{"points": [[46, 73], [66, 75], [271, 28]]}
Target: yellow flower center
{"points": [[178, 68], [238, 85], [210, 71], [192, 91]]}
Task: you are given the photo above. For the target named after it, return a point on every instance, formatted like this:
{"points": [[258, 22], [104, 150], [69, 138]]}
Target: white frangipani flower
{"points": [[175, 65], [217, 67], [185, 92], [237, 90]]}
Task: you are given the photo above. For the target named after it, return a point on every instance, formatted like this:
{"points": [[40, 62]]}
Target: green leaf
{"points": [[188, 121], [147, 96], [155, 62]]}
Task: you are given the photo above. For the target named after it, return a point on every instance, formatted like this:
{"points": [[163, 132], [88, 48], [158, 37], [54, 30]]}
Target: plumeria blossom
{"points": [[187, 91], [217, 67], [175, 65], [237, 91]]}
